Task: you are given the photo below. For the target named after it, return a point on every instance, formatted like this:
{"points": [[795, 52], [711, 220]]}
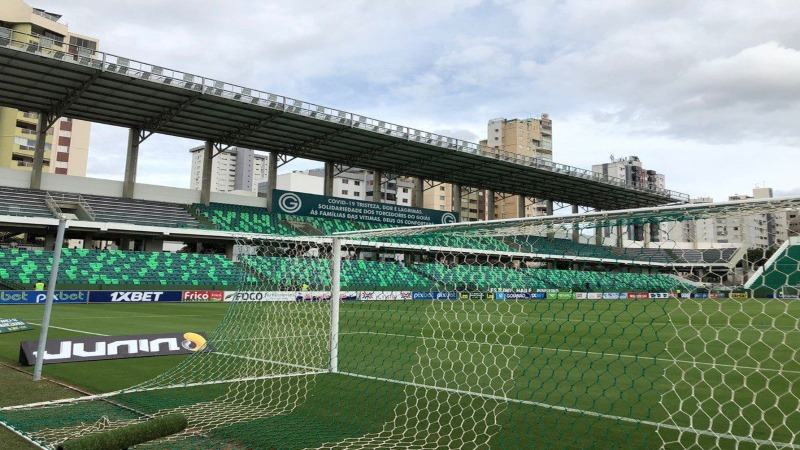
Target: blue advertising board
{"points": [[519, 295], [428, 295], [34, 297], [135, 296]]}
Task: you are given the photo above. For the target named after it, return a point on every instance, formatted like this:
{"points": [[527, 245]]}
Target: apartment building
{"points": [[67, 142]]}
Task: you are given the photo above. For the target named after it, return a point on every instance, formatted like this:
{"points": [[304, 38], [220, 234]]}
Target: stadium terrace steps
{"points": [[709, 256], [141, 212], [282, 273], [111, 268], [461, 277], [30, 202], [80, 268], [23, 202], [245, 219]]}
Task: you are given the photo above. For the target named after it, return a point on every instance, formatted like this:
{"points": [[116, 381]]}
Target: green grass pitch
{"points": [[518, 374]]}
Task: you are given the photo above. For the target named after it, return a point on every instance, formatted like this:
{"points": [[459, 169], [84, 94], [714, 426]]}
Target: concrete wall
{"points": [[300, 182]]}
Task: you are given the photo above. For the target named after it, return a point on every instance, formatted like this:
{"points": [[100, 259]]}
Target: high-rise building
{"points": [[237, 170], [531, 138], [440, 197], [756, 230], [631, 171], [67, 143]]}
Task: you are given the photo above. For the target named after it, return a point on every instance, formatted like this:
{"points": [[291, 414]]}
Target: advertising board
{"points": [[134, 296], [97, 348], [34, 297]]}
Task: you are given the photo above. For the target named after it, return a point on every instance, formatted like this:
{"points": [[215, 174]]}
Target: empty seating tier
{"points": [[23, 202]]}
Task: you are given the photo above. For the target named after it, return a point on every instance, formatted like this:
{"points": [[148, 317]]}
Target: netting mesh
{"points": [[635, 330]]}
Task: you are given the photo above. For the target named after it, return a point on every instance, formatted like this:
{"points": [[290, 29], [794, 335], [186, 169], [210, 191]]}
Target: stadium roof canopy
{"points": [[67, 81]]}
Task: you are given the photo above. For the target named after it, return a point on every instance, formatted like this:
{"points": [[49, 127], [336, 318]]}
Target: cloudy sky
{"points": [[707, 93]]}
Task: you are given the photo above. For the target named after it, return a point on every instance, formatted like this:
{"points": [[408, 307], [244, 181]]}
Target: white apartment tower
{"points": [[529, 137], [236, 170]]}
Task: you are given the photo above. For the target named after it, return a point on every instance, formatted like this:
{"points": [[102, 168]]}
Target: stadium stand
{"points": [[782, 273], [244, 219], [555, 246], [141, 212], [23, 202], [112, 268], [291, 273], [28, 202], [646, 254], [487, 277], [708, 256]]}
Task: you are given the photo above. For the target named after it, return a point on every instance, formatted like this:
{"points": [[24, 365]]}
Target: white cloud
{"points": [[706, 92]]}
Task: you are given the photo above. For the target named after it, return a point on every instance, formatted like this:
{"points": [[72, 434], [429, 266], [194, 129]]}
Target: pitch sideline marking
{"points": [[585, 352], [70, 329]]}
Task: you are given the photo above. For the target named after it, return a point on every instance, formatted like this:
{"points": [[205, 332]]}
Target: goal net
{"points": [[673, 327]]}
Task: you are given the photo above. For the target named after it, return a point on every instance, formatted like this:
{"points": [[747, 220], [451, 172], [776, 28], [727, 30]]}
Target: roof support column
{"points": [[272, 178], [646, 234], [417, 198], [489, 204], [598, 232], [576, 232], [549, 211], [131, 162], [38, 153], [619, 235], [377, 186], [205, 191], [520, 206], [456, 188], [328, 180]]}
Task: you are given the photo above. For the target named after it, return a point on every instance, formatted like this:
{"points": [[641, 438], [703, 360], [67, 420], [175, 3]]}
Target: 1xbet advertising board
{"points": [[33, 297], [134, 296], [97, 348], [341, 208]]}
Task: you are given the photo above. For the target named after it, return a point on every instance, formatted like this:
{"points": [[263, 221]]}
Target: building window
{"points": [[441, 197], [356, 194], [441, 188], [405, 190], [441, 207], [405, 200], [344, 192], [345, 181], [357, 183]]}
